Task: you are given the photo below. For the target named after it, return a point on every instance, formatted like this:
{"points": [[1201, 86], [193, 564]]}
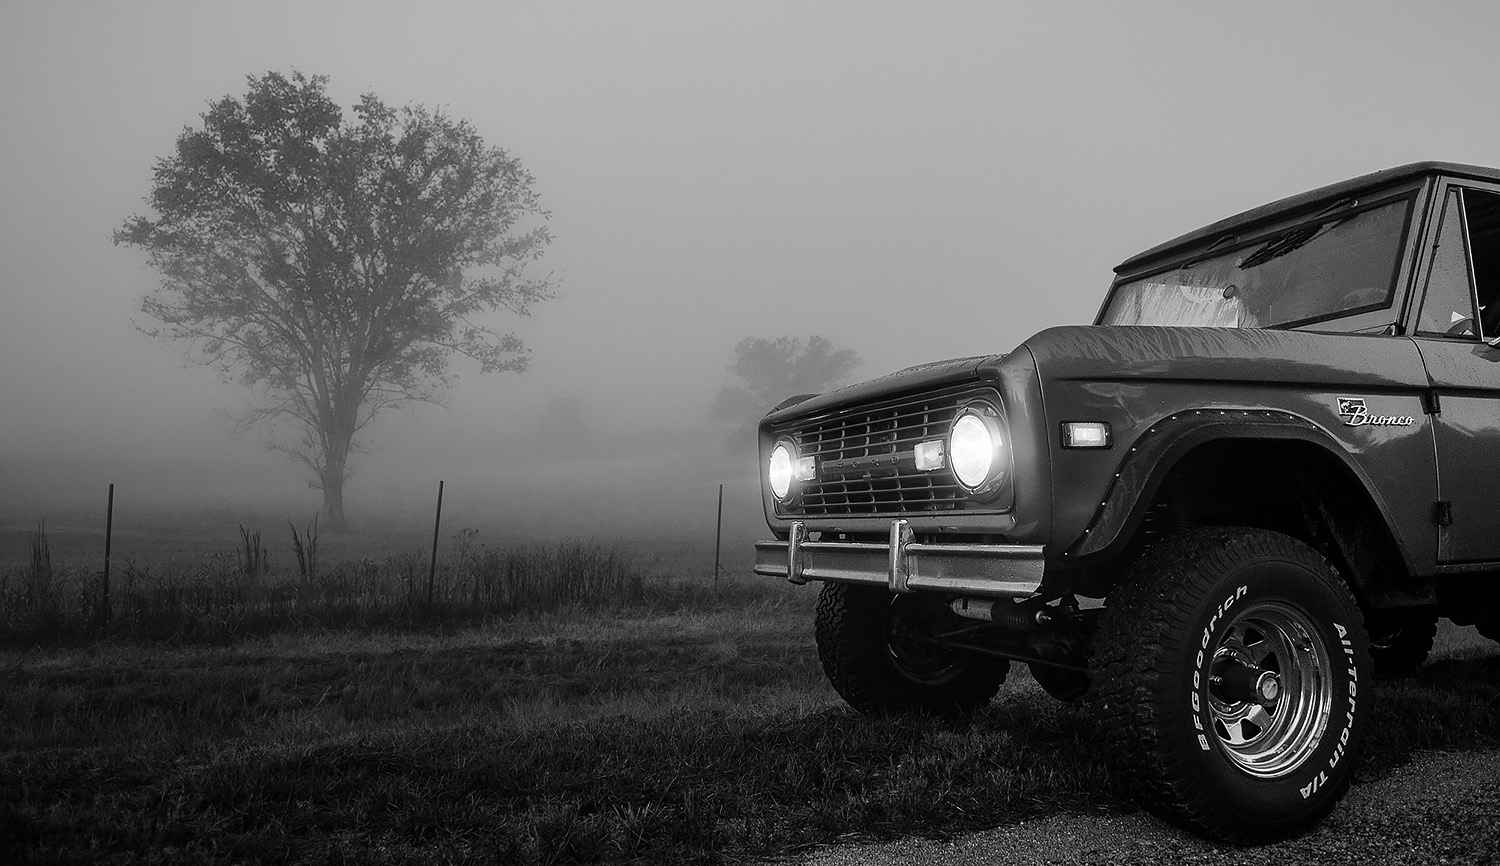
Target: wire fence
{"points": [[237, 593]]}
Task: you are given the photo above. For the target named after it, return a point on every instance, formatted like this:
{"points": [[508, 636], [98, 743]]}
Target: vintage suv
{"points": [[1254, 482]]}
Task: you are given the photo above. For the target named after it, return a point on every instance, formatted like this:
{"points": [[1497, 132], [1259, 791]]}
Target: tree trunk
{"points": [[332, 481], [333, 502]]}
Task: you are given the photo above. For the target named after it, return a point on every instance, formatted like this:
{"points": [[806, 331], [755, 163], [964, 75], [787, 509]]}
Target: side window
{"points": [[1482, 217], [1448, 308]]}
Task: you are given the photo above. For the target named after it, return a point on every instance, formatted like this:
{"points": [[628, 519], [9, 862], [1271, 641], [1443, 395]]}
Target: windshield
{"points": [[1339, 266]]}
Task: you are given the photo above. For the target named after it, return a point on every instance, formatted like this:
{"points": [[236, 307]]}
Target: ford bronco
{"points": [[1215, 514]]}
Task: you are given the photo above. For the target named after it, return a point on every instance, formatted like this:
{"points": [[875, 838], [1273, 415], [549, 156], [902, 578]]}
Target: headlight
{"points": [[976, 449], [779, 470]]}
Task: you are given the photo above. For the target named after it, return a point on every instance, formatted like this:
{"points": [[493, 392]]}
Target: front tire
{"points": [[1227, 672], [874, 649]]}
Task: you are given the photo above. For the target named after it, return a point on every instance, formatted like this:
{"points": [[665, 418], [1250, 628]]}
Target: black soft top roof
{"points": [[1301, 200]]}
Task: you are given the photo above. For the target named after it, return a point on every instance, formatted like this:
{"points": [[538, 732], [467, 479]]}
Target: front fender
{"points": [[1158, 450]]}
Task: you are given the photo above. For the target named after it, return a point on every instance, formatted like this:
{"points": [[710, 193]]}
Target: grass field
{"points": [[576, 702], [702, 735]]}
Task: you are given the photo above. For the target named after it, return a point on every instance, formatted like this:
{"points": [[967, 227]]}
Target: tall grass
{"points": [[252, 555], [305, 545], [239, 594], [39, 575]]}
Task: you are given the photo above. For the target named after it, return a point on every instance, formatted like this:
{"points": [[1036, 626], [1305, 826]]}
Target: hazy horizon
{"points": [[912, 181]]}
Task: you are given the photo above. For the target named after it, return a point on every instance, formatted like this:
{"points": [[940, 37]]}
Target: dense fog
{"points": [[911, 181]]}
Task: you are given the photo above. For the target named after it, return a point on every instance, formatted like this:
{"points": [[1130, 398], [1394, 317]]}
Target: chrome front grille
{"points": [[865, 461]]}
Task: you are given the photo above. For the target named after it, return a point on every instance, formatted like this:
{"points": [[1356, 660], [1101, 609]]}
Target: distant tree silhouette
{"points": [[561, 429], [773, 370], [330, 263]]}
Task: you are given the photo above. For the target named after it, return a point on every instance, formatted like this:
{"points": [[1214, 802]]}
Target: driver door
{"points": [[1460, 311]]}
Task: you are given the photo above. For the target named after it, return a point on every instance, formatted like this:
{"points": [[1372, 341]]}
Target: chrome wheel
{"points": [[1227, 672], [1271, 690]]}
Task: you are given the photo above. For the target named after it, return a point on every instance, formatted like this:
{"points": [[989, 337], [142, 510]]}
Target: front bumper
{"points": [[978, 570]]}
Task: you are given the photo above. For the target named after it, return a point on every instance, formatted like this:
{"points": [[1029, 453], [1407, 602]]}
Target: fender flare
{"points": [[1154, 455]]}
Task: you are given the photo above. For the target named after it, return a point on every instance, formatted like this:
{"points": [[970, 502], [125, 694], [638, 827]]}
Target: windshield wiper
{"points": [[1222, 241], [1296, 238], [1286, 242]]}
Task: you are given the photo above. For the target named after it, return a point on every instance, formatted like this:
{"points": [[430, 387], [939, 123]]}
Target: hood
{"points": [[919, 378], [1123, 353]]}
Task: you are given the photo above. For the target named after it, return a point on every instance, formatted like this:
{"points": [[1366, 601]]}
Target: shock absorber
{"points": [[1025, 616]]}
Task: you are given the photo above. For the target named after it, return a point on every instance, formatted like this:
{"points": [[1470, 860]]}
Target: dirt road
{"points": [[1440, 808]]}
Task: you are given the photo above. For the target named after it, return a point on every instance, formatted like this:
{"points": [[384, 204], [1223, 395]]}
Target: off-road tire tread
{"points": [[1160, 597], [858, 669]]}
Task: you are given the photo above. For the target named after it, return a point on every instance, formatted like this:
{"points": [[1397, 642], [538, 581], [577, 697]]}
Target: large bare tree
{"points": [[336, 264]]}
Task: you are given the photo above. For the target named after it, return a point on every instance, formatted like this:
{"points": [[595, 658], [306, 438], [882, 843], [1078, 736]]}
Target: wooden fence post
{"points": [[109, 531], [718, 535], [432, 567]]}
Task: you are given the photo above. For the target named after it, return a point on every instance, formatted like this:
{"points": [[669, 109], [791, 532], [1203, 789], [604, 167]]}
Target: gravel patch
{"points": [[1441, 807]]}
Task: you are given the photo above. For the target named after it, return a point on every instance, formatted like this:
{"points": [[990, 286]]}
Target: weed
{"points": [[39, 578], [305, 545], [463, 546], [252, 555]]}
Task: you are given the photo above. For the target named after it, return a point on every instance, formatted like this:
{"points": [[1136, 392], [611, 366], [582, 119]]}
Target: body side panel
{"points": [[1136, 377]]}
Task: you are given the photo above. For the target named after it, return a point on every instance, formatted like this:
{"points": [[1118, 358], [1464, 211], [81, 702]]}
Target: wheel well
{"points": [[1289, 486]]}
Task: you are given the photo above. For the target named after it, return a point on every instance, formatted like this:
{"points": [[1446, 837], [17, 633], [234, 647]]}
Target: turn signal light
{"points": [[929, 455], [1086, 434]]}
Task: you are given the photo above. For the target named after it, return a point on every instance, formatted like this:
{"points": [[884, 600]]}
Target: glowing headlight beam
{"points": [[779, 470], [972, 449]]}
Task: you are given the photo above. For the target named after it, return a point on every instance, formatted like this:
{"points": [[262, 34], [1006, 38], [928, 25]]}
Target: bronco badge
{"points": [[1355, 414]]}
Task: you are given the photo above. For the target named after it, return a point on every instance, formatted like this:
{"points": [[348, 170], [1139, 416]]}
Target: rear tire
{"points": [[871, 644], [1227, 674], [1400, 639], [1065, 685]]}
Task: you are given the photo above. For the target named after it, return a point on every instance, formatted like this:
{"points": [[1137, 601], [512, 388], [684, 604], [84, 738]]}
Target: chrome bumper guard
{"points": [[979, 570]]}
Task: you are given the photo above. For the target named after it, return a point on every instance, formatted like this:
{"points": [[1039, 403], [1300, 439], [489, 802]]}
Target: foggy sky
{"points": [[913, 181]]}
